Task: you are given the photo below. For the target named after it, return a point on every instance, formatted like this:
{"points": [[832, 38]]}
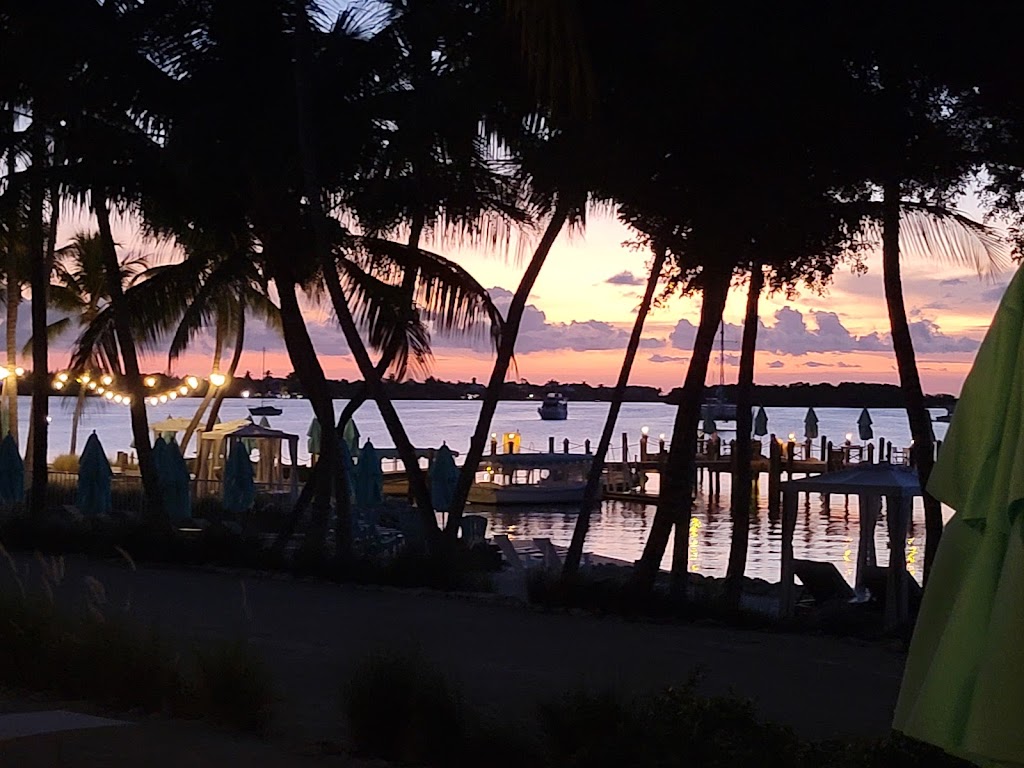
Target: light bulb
{"points": [[62, 378], [153, 401], [218, 379], [4, 373], [126, 400], [645, 430], [245, 393], [150, 381], [849, 437], [109, 395], [183, 390], [118, 399], [193, 382], [173, 394], [58, 385], [100, 390], [163, 398], [19, 371], [107, 380], [92, 385], [85, 378]]}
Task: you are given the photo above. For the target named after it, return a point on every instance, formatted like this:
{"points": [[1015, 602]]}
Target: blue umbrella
{"points": [[761, 423], [368, 481], [351, 436], [444, 476], [811, 424], [12, 472], [93, 494], [239, 485], [864, 425], [313, 443], [174, 483]]}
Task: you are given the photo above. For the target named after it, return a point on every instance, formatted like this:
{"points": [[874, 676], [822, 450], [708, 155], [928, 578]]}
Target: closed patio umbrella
{"points": [[92, 497], [864, 425], [368, 480], [175, 483], [351, 436], [444, 476], [313, 435], [12, 472], [709, 426], [348, 467], [239, 480], [760, 423], [963, 685], [811, 424]]}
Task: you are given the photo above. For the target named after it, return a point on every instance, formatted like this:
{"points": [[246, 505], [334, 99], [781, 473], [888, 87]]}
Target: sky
{"points": [[581, 311]]}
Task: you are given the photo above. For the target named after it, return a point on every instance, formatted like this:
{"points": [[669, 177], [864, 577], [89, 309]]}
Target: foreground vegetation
{"points": [[399, 707]]}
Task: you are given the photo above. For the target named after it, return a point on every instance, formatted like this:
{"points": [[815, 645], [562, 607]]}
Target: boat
{"points": [[946, 417], [554, 407], [531, 478], [266, 410], [717, 407]]}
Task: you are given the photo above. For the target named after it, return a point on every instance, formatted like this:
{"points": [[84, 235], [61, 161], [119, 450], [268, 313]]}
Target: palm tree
{"points": [[591, 495], [80, 291]]}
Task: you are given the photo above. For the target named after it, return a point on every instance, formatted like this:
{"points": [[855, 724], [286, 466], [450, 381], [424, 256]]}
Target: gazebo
{"points": [[215, 446], [898, 485]]}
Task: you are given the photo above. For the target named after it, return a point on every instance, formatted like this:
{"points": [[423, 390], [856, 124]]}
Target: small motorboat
{"points": [[554, 407], [531, 478], [266, 410]]}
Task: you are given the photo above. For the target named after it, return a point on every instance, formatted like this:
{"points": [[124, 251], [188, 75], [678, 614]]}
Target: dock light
{"points": [[109, 395], [245, 393], [58, 385], [49, 419], [153, 401], [645, 430], [118, 399], [19, 371], [792, 436], [661, 436], [107, 380], [92, 385], [192, 382], [150, 381], [511, 435], [163, 398], [62, 378], [494, 435], [849, 436], [218, 379], [183, 390]]}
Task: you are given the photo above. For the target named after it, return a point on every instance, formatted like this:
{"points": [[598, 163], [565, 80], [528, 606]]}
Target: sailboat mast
{"points": [[721, 355]]}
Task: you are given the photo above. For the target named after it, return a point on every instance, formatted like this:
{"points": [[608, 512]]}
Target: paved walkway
{"points": [[506, 656]]}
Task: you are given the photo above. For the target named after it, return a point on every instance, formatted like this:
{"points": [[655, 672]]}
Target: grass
{"points": [[401, 708], [100, 653]]}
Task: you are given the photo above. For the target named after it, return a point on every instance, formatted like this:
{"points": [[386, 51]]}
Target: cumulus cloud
{"points": [[776, 364], [791, 334], [953, 281], [667, 359], [536, 334], [995, 293], [625, 278]]}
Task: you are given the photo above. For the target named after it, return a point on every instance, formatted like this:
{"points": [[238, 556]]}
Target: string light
{"points": [[105, 385], [150, 381], [192, 382], [218, 379]]}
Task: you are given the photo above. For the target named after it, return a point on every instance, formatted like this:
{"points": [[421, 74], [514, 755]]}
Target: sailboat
{"points": [[716, 407], [262, 409]]}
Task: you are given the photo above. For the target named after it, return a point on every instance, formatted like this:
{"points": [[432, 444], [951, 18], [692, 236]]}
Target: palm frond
{"points": [[54, 331]]}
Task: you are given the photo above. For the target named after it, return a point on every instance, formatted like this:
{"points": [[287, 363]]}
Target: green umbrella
{"points": [[351, 436], [239, 485], [12, 472], [313, 443], [348, 467], [92, 496], [864, 425], [811, 424], [760, 423], [368, 480], [709, 426], [963, 686], [175, 483], [444, 476]]}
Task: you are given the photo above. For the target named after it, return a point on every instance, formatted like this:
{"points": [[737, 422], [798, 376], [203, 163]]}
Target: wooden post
{"points": [[871, 453], [586, 447], [938, 447], [824, 448], [551, 445], [786, 596], [790, 458], [625, 462], [774, 475], [565, 445], [661, 445], [869, 507], [807, 449], [643, 446], [897, 610], [881, 449], [888, 452], [494, 444]]}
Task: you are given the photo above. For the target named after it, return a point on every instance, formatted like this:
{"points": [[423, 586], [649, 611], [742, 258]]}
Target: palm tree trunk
{"points": [[743, 476], [591, 495], [10, 383], [76, 418], [236, 356], [193, 425], [39, 278], [311, 375], [506, 349], [675, 498], [910, 381], [130, 361]]}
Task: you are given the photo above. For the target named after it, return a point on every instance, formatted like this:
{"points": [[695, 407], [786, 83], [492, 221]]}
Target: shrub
{"points": [[66, 462], [400, 707], [233, 688]]}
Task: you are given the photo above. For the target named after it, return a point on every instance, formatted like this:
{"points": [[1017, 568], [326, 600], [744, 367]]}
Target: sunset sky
{"points": [[583, 305]]}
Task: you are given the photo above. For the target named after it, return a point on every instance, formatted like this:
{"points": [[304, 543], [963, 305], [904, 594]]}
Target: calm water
{"points": [[620, 529]]}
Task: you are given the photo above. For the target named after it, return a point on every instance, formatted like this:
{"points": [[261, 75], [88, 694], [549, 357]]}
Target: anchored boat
{"points": [[531, 478], [554, 408]]}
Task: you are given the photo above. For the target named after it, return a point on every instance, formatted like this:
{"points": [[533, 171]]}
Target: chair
{"points": [[509, 552], [474, 530], [552, 560]]}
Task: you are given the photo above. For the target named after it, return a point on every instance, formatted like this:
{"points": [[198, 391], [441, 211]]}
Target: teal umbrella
{"points": [[239, 484], [12, 472], [864, 425], [351, 436], [444, 476], [313, 443], [963, 684], [760, 423], [368, 480], [710, 426], [175, 483], [92, 496], [811, 424]]}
